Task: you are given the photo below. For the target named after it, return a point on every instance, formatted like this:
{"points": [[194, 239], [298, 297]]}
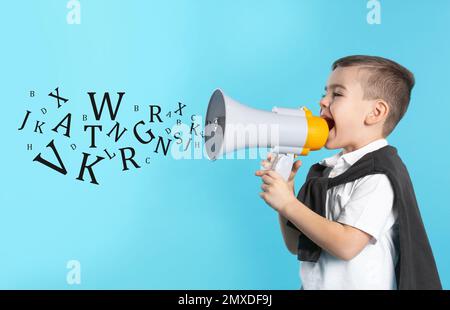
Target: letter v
{"points": [[61, 168]]}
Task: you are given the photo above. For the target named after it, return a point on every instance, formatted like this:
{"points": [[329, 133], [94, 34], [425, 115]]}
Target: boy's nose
{"points": [[324, 102]]}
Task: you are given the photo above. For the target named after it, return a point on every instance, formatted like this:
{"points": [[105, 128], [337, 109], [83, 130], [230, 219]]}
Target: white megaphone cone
{"points": [[230, 126]]}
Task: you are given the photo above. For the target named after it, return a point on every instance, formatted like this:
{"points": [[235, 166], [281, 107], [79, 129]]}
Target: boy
{"points": [[355, 223]]}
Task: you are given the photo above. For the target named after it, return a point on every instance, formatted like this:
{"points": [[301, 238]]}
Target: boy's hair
{"points": [[387, 80]]}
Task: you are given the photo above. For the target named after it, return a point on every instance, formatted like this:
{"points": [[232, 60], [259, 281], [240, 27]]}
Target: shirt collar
{"points": [[353, 157]]}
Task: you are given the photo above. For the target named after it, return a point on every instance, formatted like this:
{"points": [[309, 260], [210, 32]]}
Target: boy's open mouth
{"points": [[329, 121]]}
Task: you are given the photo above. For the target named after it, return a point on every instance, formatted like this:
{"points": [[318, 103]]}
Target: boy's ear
{"points": [[378, 112]]}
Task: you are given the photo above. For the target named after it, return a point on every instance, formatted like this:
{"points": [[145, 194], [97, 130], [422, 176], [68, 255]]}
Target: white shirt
{"points": [[367, 204]]}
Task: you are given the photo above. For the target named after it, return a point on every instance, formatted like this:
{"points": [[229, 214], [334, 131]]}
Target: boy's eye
{"points": [[336, 95]]}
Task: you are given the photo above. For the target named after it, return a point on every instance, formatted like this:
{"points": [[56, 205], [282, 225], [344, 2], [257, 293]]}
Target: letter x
{"points": [[58, 97]]}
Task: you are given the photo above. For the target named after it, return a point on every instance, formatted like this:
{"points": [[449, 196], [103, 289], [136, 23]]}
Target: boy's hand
{"points": [[297, 164], [277, 192]]}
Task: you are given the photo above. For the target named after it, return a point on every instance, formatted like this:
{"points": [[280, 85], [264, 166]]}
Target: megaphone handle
{"points": [[282, 163]]}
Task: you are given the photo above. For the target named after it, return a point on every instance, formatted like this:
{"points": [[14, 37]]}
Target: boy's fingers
{"points": [[267, 179], [296, 166], [260, 173], [270, 173], [267, 172], [273, 174], [265, 163]]}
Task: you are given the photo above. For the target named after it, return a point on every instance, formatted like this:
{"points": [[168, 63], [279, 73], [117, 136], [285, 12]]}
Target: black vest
{"points": [[416, 268]]}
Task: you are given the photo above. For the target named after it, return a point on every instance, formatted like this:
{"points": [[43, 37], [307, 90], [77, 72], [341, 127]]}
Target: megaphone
{"points": [[230, 125]]}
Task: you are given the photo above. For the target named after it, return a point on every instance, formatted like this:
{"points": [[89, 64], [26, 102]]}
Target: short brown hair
{"points": [[387, 80]]}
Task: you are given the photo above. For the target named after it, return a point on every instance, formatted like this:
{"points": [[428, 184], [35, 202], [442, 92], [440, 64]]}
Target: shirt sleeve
{"points": [[370, 205]]}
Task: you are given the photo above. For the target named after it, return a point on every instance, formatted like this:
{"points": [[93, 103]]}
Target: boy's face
{"points": [[345, 109]]}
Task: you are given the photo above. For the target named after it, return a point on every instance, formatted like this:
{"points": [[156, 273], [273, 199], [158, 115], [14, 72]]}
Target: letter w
{"points": [[112, 112]]}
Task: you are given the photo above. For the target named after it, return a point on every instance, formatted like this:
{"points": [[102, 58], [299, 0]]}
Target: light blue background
{"points": [[192, 223]]}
